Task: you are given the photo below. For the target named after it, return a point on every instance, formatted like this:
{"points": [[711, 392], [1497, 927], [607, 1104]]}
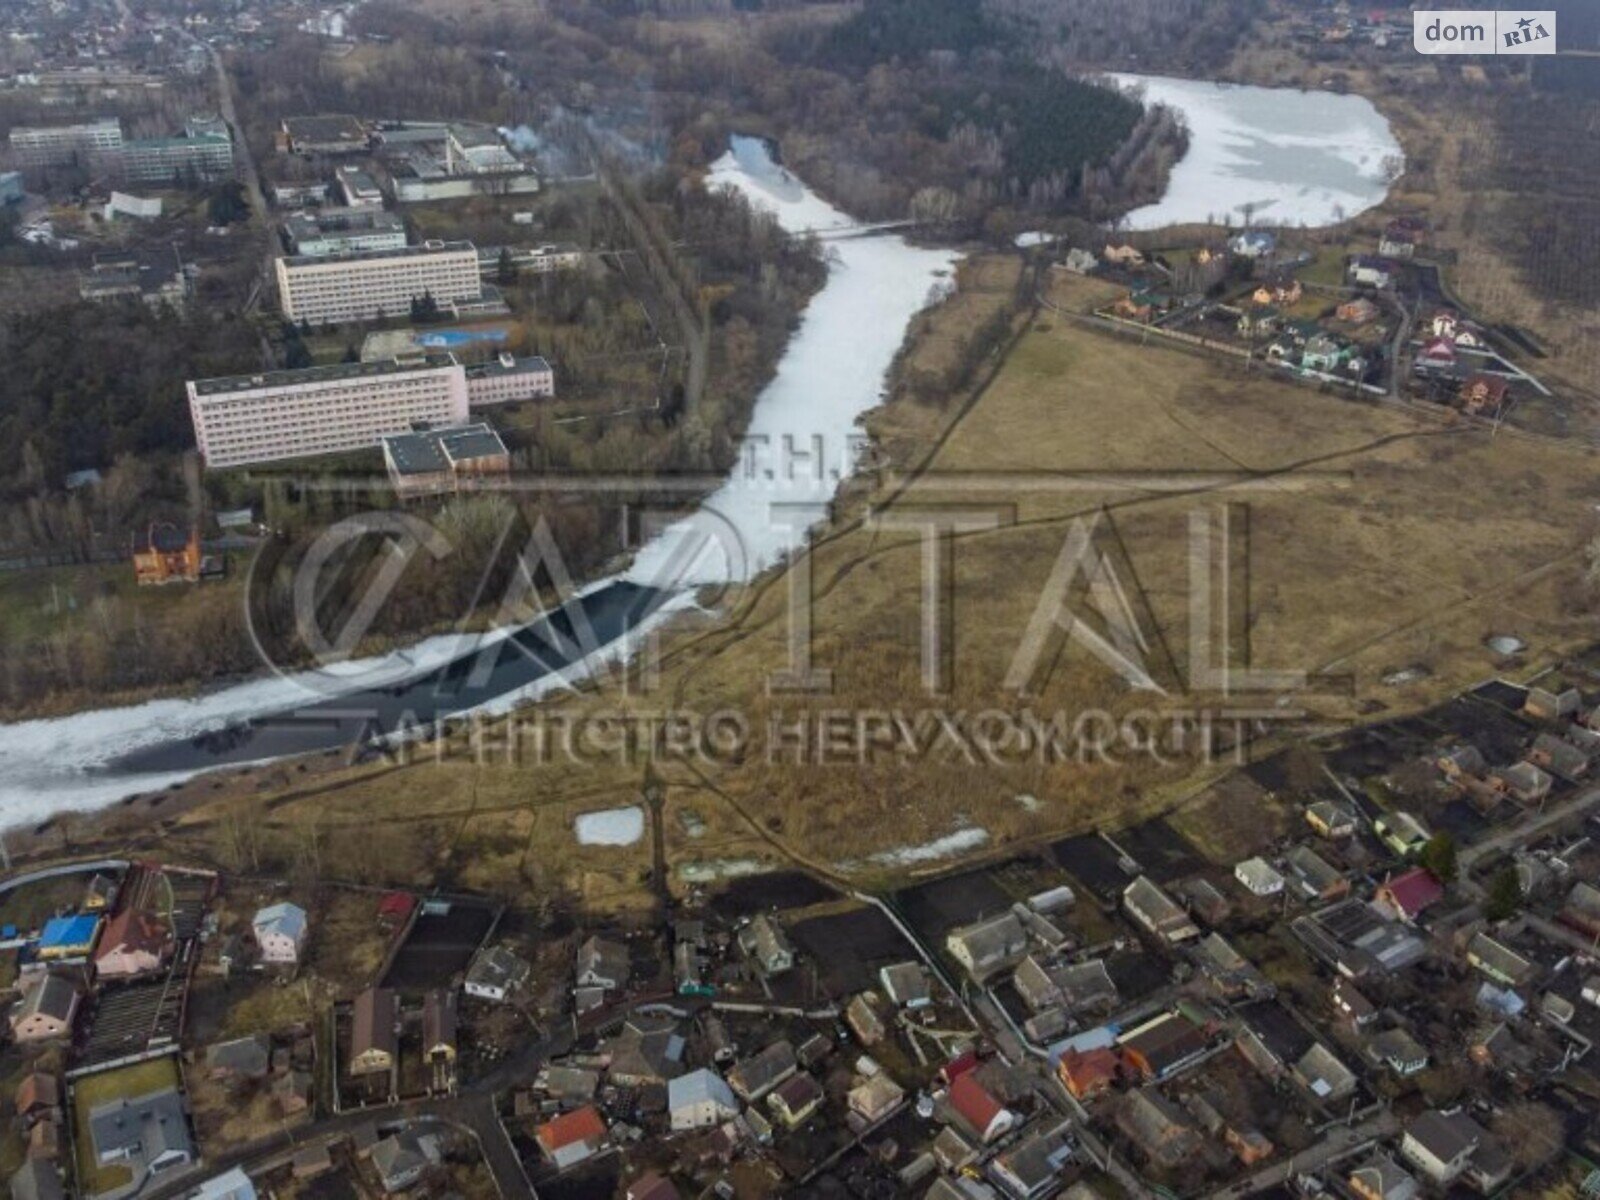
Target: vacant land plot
{"points": [[439, 946]]}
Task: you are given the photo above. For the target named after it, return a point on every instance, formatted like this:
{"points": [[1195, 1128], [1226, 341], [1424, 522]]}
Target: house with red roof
{"points": [[1088, 1073], [978, 1109], [1404, 897], [133, 943], [573, 1137]]}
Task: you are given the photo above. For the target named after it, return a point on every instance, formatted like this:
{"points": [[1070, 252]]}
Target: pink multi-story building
{"points": [[276, 415]]}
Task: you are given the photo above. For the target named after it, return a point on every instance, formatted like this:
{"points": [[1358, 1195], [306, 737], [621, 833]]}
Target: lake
{"points": [[1295, 157]]}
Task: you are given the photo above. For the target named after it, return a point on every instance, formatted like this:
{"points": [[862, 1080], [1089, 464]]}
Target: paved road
{"points": [[1518, 835]]}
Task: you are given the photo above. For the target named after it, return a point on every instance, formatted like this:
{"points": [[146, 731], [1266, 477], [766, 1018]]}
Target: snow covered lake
{"points": [[1294, 157]]}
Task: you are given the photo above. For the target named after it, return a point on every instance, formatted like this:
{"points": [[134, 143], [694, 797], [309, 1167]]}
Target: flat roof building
{"points": [[333, 231], [202, 157], [367, 285], [61, 145], [440, 461], [247, 419], [508, 380]]}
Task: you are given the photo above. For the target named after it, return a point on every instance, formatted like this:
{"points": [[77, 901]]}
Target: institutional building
{"points": [[323, 410], [507, 380], [332, 231], [59, 145], [366, 285], [441, 461], [202, 157]]}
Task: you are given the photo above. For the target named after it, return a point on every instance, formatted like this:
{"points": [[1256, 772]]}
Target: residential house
{"points": [[1123, 255], [1401, 832], [147, 1135], [1282, 291], [1558, 756], [1523, 782], [603, 963], [1351, 1004], [1231, 973], [875, 1097], [1089, 1073], [1441, 1144], [1406, 896], [402, 1159], [1259, 322], [496, 973], [1253, 243], [651, 1187], [280, 931], [46, 1010], [1156, 1126], [864, 1020], [648, 1050], [765, 944], [982, 1115], [240, 1058], [1581, 909], [1321, 1073], [572, 1137], [1163, 1046], [986, 946], [752, 1078], [133, 943], [795, 1099], [1462, 761], [906, 985], [1436, 357], [1546, 705], [439, 1027], [1381, 1178], [1316, 877], [1400, 239], [66, 938], [1365, 270], [1482, 393], [38, 1098], [700, 1100], [1397, 1050], [1157, 912], [1325, 352], [373, 1038], [1331, 819], [1258, 877], [1030, 1168], [1498, 961], [1449, 324]]}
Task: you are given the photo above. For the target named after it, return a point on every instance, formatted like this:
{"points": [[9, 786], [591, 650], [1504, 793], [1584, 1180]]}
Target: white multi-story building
{"points": [[507, 380], [366, 285], [58, 145], [323, 410]]}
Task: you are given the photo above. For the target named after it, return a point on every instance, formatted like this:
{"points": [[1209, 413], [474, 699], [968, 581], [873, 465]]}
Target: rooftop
{"points": [[335, 372], [350, 256]]}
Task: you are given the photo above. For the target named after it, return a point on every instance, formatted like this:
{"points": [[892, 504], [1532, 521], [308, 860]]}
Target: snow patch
{"points": [[610, 827]]}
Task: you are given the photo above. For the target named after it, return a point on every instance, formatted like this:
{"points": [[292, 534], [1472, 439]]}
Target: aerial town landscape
{"points": [[649, 599]]}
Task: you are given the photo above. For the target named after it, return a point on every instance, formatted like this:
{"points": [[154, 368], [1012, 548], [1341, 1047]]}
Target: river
{"points": [[802, 442]]}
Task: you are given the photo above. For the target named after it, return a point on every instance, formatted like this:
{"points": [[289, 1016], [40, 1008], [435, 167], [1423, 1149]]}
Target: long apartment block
{"points": [[366, 285], [246, 419]]}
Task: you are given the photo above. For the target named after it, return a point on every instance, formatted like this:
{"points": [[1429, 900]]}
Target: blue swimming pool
{"points": [[449, 339]]}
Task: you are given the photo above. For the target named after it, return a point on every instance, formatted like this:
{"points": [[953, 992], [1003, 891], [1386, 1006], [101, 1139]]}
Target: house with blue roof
{"points": [[280, 931], [68, 937]]}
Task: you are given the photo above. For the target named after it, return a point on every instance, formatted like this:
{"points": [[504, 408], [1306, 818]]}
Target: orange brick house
{"points": [[162, 554]]}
